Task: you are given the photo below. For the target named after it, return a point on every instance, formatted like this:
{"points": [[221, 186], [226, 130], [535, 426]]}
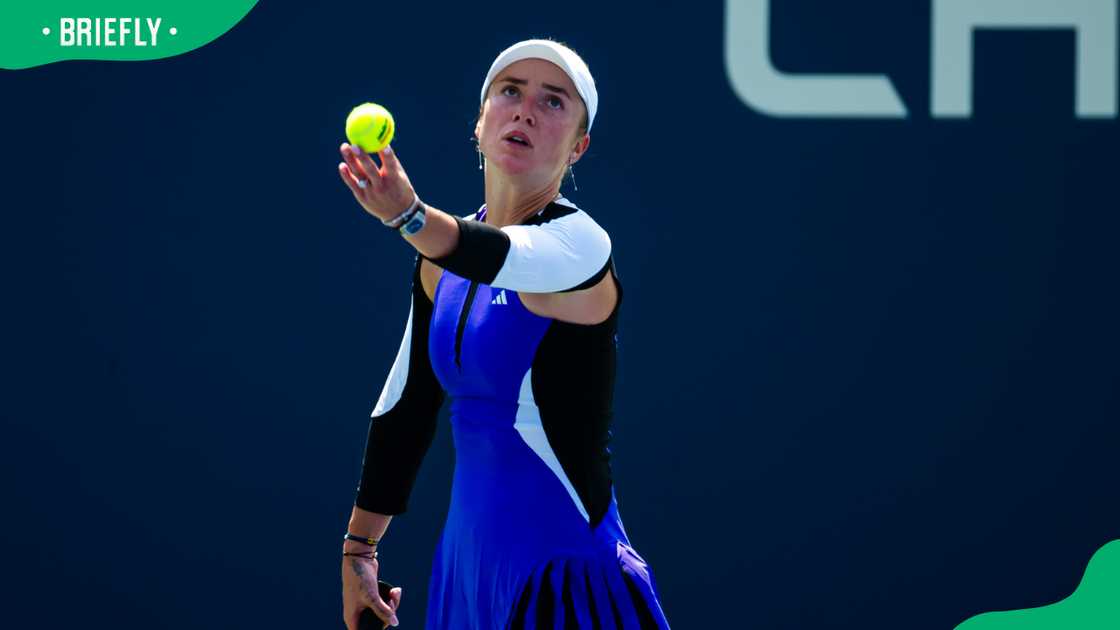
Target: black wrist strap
{"points": [[365, 540]]}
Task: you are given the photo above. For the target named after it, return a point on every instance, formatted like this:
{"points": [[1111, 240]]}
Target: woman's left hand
{"points": [[384, 191]]}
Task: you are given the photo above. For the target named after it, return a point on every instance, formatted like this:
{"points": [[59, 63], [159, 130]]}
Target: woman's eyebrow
{"points": [[547, 86], [557, 89]]}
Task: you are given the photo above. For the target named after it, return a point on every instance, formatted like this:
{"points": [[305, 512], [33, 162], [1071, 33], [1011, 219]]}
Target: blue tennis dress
{"points": [[533, 538]]}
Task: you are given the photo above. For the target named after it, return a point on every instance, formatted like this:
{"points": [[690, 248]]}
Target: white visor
{"points": [[565, 58]]}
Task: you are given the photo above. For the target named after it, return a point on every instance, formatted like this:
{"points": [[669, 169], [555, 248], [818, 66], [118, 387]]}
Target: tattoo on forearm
{"points": [[365, 574]]}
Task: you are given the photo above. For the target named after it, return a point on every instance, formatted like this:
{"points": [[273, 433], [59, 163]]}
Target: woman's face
{"points": [[530, 121]]}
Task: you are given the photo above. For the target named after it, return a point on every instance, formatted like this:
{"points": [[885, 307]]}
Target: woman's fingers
{"points": [[349, 179], [389, 159], [383, 190], [381, 609], [350, 153], [368, 165], [395, 598]]}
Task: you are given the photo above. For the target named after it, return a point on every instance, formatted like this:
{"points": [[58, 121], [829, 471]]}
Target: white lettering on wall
{"points": [[955, 21], [764, 88]]}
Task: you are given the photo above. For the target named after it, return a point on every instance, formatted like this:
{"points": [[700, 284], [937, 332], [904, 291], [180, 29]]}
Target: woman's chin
{"points": [[512, 165]]}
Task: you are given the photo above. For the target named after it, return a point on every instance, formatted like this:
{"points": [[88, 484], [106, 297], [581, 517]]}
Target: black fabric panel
{"points": [[645, 616], [545, 599], [551, 212], [399, 439], [571, 622], [573, 385], [480, 253], [518, 621]]}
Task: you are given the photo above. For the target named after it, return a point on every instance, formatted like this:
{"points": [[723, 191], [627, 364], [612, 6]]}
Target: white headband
{"points": [[562, 56]]}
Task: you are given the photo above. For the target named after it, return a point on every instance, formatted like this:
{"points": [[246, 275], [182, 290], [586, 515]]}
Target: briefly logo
{"points": [[500, 298], [38, 33], [113, 31], [766, 89]]}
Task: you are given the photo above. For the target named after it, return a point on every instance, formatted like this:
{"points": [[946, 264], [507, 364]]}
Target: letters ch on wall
{"points": [[766, 89]]}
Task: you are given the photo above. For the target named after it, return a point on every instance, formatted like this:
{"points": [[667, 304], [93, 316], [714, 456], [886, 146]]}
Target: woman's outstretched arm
{"points": [[568, 252]]}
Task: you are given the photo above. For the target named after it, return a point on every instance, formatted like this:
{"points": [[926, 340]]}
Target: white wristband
{"points": [[400, 219]]}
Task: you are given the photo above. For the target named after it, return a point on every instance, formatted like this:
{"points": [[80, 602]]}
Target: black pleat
{"points": [[570, 621], [518, 621], [645, 617], [614, 611], [546, 606], [545, 598], [595, 625]]}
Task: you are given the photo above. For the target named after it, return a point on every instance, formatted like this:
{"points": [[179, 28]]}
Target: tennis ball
{"points": [[370, 126]]}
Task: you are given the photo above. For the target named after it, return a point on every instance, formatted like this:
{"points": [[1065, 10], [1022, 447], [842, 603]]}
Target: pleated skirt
{"points": [[521, 569], [567, 592], [519, 551], [577, 593]]}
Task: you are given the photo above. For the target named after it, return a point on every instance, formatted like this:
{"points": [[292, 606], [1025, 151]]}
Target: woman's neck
{"points": [[510, 203]]}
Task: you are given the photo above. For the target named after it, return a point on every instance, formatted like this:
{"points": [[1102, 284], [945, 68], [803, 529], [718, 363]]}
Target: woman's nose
{"points": [[526, 115]]}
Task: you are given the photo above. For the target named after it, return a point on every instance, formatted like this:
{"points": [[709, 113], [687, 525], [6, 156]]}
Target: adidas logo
{"points": [[500, 298]]}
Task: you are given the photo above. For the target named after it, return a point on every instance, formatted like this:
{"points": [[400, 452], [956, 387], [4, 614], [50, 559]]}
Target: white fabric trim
{"points": [[528, 424], [553, 256], [394, 385]]}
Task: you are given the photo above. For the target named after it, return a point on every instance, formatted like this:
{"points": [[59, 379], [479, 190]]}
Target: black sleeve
{"points": [[403, 422], [479, 254], [560, 249]]}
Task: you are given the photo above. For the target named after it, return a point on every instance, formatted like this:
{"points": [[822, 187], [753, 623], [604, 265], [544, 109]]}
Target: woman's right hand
{"points": [[383, 191], [359, 591]]}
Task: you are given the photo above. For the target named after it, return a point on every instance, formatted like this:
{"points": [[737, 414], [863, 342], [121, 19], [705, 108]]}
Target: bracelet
{"points": [[368, 555], [408, 215], [403, 217], [365, 540]]}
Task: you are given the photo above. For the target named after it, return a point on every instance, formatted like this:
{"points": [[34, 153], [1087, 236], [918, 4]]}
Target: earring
{"points": [[477, 150], [572, 174]]}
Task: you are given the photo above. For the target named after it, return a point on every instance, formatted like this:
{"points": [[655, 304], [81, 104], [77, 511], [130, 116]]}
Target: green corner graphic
{"points": [[37, 33], [1094, 604]]}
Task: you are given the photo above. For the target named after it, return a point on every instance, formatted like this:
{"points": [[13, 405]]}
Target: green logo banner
{"points": [[46, 31], [1094, 604]]}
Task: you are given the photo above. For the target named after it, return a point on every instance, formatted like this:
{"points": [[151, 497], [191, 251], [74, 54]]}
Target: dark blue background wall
{"points": [[868, 373]]}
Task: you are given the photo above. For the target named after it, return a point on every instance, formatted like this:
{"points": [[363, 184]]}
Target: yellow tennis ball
{"points": [[370, 126]]}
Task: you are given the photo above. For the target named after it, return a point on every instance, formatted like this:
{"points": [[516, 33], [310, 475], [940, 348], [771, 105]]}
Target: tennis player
{"points": [[514, 312]]}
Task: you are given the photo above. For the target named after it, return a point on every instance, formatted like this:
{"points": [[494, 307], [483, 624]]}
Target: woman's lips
{"points": [[518, 138]]}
